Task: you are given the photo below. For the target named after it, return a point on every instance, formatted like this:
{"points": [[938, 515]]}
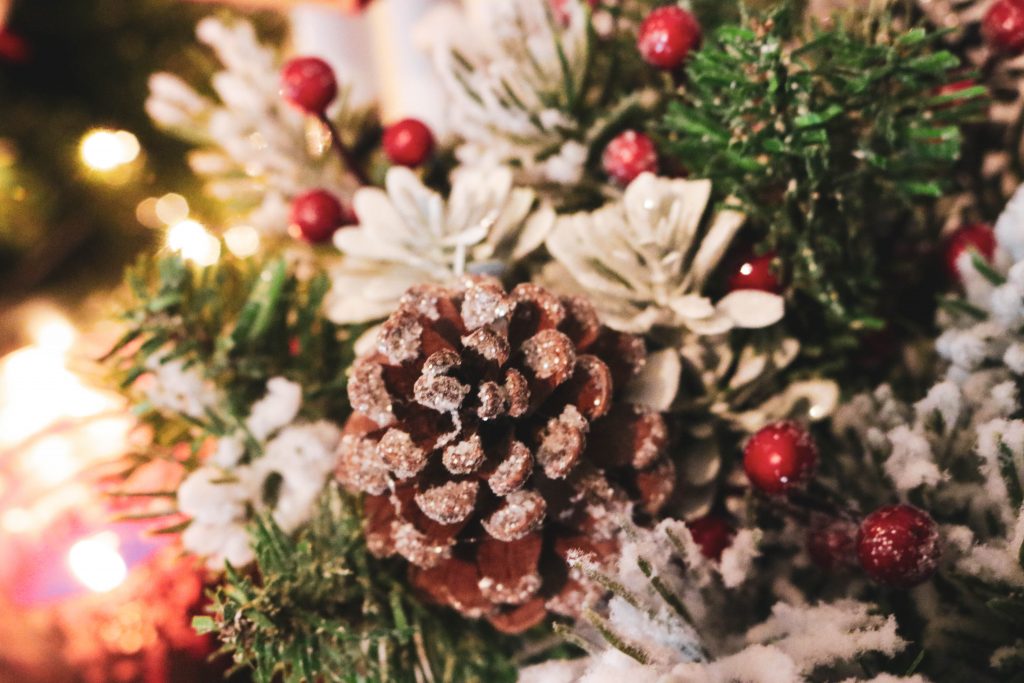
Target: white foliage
{"points": [[220, 495], [501, 67], [645, 260], [173, 387], [409, 235], [256, 149]]}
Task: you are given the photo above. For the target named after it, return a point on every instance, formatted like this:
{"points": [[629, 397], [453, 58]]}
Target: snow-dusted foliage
{"points": [[255, 151], [676, 616]]}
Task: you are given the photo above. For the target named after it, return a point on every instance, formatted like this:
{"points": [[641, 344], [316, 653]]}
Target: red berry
{"points": [[755, 272], [1003, 26], [898, 545], [667, 36], [831, 544], [308, 83], [408, 142], [628, 155], [316, 215], [713, 534], [779, 457], [978, 237], [13, 48]]}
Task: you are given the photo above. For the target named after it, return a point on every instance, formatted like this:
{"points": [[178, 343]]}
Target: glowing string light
{"points": [[105, 150], [190, 239]]}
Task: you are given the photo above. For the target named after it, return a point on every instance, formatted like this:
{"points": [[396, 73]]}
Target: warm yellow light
{"points": [[51, 460], [172, 208], [194, 242], [242, 240], [105, 150], [51, 331], [17, 521], [96, 563]]}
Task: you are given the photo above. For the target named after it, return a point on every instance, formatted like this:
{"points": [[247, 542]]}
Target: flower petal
{"points": [[752, 308]]}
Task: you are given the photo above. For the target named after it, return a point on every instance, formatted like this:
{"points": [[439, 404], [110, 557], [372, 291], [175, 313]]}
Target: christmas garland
{"points": [[626, 375]]}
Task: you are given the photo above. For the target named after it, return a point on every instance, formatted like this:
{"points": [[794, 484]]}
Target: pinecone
{"points": [[489, 442]]}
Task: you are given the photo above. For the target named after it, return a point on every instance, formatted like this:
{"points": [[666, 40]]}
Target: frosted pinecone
{"points": [[489, 442]]}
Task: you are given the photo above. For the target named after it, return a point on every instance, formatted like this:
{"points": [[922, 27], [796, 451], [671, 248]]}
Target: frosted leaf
{"points": [[518, 393], [368, 394], [441, 362], [521, 513], [399, 337], [417, 547], [513, 471], [465, 456], [449, 503], [403, 457], [359, 466], [493, 401], [550, 355], [489, 344], [483, 304], [562, 443], [440, 392]]}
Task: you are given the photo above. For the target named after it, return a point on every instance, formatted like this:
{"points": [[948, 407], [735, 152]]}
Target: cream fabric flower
{"points": [[644, 260], [410, 235]]}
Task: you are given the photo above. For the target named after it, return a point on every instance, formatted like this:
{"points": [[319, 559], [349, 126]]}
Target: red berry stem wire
{"points": [[339, 146]]}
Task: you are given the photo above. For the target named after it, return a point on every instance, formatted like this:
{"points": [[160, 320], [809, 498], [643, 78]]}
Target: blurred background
{"points": [[86, 184]]}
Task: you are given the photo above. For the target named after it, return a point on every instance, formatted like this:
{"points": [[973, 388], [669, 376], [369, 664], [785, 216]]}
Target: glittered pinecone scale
{"points": [[489, 440]]}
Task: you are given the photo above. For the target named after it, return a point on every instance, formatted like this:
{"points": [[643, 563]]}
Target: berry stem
{"points": [[347, 158]]}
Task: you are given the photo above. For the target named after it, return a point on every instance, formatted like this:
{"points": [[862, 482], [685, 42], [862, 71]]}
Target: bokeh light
{"points": [[104, 150]]}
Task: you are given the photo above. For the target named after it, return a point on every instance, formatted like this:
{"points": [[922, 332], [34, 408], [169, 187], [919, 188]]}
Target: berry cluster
{"points": [[896, 545]]}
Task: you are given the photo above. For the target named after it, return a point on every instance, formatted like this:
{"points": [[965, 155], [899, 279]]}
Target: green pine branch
{"points": [[319, 607], [833, 143]]}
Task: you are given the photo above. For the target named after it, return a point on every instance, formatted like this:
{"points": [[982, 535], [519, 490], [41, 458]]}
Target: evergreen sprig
{"points": [[323, 609], [240, 322], [830, 142]]}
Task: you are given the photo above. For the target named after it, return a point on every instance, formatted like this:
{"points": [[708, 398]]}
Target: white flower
{"points": [[276, 409], [213, 496], [645, 262], [1010, 226], [219, 543], [302, 456], [511, 74], [178, 389], [410, 235]]}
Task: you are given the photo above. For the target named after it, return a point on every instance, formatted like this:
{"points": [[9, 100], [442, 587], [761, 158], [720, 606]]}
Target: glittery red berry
{"points": [[667, 36], [779, 457], [713, 534], [1003, 26], [628, 155], [408, 142], [978, 237], [316, 215], [831, 544], [754, 272], [898, 545], [308, 83]]}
